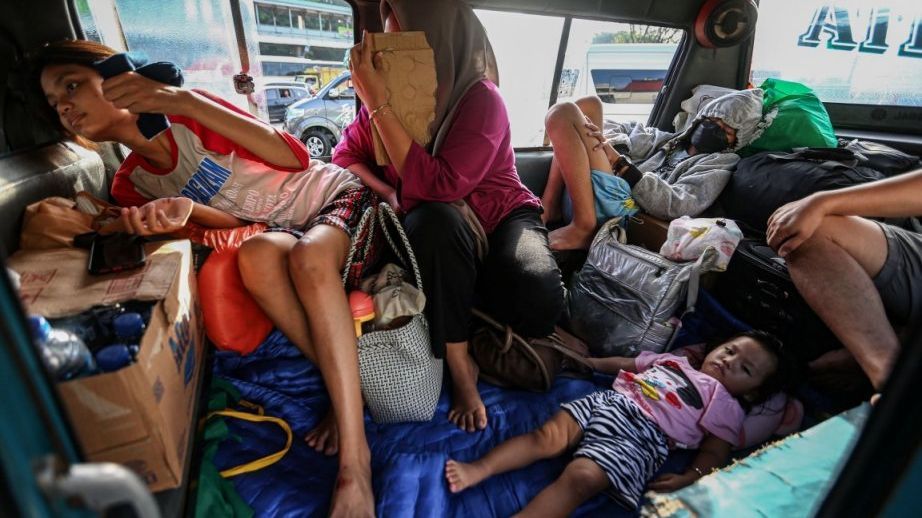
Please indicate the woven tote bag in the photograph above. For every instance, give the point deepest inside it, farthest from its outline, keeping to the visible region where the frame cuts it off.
(401, 379)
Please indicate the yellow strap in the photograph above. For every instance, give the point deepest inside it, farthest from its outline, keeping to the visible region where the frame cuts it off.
(261, 462)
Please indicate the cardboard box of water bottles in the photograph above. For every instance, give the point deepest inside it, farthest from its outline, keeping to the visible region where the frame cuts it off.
(141, 414)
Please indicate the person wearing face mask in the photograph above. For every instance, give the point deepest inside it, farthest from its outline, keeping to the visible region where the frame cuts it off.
(667, 175)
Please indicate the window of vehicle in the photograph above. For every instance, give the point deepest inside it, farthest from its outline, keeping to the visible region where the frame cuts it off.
(623, 64)
(285, 39)
(850, 52)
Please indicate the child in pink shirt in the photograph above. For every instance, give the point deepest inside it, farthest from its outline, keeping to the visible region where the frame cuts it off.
(623, 435)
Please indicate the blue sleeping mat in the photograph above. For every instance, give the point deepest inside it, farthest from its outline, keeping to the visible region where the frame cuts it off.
(407, 459)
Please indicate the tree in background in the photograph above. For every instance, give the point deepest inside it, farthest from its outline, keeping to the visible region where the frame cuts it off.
(640, 34)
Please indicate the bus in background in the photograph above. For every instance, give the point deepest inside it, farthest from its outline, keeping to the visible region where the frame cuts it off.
(626, 76)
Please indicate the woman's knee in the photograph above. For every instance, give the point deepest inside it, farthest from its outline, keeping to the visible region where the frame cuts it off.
(434, 228)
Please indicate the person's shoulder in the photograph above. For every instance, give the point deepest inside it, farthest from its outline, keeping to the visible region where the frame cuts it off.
(483, 92)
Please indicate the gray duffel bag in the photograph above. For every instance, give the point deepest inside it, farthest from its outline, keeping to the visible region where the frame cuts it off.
(627, 299)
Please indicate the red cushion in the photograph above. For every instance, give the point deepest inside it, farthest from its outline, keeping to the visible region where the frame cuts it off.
(233, 320)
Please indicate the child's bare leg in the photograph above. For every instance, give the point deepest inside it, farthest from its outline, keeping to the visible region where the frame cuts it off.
(263, 263)
(581, 480)
(556, 436)
(573, 150)
(553, 190)
(591, 106)
(315, 264)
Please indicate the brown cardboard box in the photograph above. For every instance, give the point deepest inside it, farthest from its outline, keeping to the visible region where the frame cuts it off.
(647, 231)
(408, 64)
(141, 415)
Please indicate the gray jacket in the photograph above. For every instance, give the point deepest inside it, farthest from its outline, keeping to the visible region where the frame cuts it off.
(672, 183)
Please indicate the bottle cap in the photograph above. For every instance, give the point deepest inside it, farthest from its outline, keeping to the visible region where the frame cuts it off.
(128, 325)
(39, 327)
(113, 357)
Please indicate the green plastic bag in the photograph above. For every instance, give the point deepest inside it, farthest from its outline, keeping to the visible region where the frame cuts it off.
(801, 120)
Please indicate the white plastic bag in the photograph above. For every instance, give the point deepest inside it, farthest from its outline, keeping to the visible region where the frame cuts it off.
(688, 238)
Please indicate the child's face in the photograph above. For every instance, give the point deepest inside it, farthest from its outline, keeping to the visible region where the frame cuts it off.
(75, 93)
(741, 365)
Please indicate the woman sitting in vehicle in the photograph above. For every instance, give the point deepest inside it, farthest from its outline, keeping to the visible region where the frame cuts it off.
(475, 229)
(673, 174)
(220, 167)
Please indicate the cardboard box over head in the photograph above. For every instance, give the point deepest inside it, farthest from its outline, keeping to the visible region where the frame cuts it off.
(408, 65)
(140, 415)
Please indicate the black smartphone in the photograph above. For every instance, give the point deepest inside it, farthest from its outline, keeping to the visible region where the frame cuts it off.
(116, 252)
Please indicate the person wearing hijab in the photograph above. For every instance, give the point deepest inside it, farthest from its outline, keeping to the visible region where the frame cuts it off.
(676, 174)
(474, 227)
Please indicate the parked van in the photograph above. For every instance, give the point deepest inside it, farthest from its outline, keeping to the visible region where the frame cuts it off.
(628, 77)
(318, 121)
(547, 51)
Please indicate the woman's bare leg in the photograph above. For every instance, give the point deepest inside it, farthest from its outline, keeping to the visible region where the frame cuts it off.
(315, 265)
(467, 409)
(555, 437)
(573, 150)
(581, 480)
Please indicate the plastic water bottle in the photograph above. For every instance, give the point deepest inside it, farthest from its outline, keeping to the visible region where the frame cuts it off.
(63, 352)
(129, 327)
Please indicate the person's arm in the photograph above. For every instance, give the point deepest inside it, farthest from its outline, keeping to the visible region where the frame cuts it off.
(381, 188)
(696, 189)
(712, 454)
(792, 224)
(369, 86)
(169, 215)
(139, 94)
(613, 364)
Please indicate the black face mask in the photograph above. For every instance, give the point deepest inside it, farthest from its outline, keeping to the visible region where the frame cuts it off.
(709, 137)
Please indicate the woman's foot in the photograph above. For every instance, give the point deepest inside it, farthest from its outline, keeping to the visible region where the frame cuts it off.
(461, 476)
(467, 409)
(570, 237)
(325, 437)
(352, 496)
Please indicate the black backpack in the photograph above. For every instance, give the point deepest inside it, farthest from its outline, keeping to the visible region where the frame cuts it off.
(768, 180)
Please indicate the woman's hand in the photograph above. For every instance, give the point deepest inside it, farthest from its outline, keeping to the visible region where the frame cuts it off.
(366, 75)
(391, 199)
(138, 94)
(672, 481)
(162, 216)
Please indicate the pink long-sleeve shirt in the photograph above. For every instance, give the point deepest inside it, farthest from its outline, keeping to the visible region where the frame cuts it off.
(476, 161)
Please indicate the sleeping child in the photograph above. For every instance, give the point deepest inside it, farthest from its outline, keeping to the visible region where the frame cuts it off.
(622, 435)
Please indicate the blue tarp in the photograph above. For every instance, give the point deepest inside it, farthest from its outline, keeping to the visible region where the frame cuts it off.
(407, 459)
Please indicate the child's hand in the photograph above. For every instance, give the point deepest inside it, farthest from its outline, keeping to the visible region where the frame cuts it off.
(672, 481)
(133, 92)
(594, 132)
(162, 216)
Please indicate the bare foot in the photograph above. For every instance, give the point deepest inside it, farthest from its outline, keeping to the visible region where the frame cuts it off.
(461, 476)
(570, 237)
(325, 437)
(352, 496)
(467, 409)
(837, 371)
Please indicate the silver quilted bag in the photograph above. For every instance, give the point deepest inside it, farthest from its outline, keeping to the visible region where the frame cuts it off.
(401, 379)
(627, 299)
